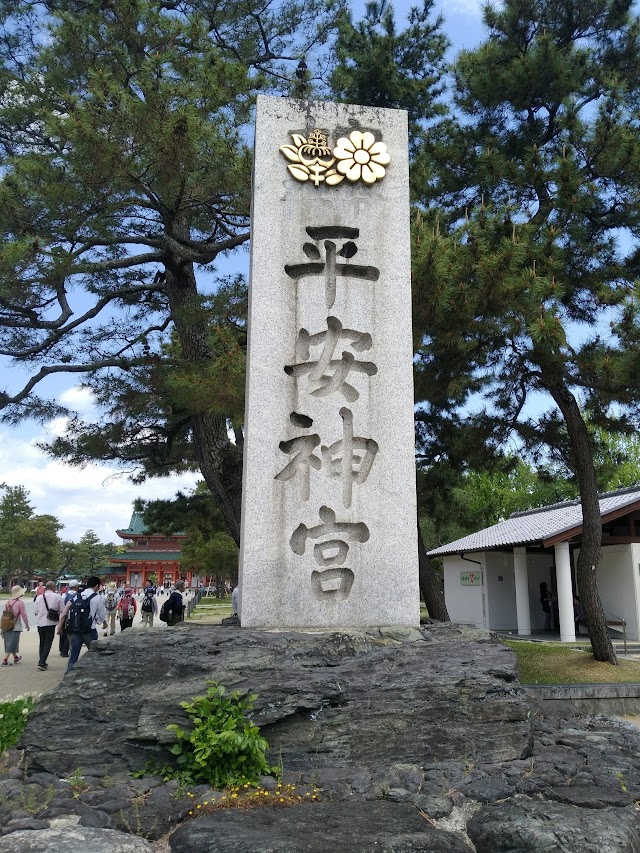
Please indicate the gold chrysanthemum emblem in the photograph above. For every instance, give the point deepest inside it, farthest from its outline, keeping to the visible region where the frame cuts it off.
(360, 157)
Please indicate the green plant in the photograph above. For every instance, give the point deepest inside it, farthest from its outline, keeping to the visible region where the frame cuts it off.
(77, 783)
(623, 786)
(35, 803)
(224, 746)
(13, 719)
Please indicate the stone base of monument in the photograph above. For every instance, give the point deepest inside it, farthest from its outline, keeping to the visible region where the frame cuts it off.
(416, 739)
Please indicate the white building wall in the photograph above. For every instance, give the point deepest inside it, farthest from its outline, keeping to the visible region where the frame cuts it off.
(464, 603)
(617, 584)
(493, 604)
(635, 574)
(501, 591)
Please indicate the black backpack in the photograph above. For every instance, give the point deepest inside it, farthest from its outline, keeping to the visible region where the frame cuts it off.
(165, 612)
(79, 619)
(147, 603)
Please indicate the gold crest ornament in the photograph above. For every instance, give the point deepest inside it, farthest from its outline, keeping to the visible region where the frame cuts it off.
(357, 157)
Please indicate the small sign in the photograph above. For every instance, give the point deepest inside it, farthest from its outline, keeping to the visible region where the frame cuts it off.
(470, 578)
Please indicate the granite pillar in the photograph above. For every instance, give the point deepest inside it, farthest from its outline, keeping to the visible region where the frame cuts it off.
(329, 505)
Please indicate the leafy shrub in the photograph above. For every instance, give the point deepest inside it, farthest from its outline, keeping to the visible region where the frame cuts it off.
(224, 746)
(13, 719)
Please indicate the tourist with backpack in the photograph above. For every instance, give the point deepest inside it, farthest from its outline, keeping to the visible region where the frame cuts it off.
(111, 605)
(70, 594)
(148, 607)
(13, 621)
(127, 609)
(83, 616)
(173, 609)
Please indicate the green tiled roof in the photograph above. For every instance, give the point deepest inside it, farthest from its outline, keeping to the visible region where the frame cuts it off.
(146, 556)
(136, 525)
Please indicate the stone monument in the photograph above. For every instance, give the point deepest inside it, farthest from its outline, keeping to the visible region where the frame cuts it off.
(329, 505)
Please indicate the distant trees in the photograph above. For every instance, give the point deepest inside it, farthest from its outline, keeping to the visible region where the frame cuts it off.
(86, 557)
(28, 542)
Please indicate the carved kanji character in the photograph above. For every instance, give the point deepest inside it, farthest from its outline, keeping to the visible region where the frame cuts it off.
(332, 552)
(334, 582)
(342, 458)
(303, 447)
(330, 267)
(320, 371)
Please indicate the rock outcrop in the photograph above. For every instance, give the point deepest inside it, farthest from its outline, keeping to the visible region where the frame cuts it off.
(357, 702)
(417, 740)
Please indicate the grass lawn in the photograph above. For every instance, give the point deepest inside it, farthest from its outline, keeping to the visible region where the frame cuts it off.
(553, 663)
(211, 609)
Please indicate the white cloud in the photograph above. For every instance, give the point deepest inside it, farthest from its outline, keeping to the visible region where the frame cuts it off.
(57, 427)
(97, 497)
(77, 398)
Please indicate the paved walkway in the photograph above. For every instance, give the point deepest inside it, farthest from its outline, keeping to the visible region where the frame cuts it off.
(25, 677)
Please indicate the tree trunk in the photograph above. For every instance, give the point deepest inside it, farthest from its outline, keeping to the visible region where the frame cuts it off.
(429, 586)
(591, 522)
(220, 461)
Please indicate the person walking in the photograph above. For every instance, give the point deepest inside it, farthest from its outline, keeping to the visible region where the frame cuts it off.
(48, 609)
(175, 605)
(111, 605)
(11, 637)
(127, 609)
(84, 614)
(63, 643)
(148, 607)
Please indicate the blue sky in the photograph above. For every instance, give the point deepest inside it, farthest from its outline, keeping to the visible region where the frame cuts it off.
(99, 497)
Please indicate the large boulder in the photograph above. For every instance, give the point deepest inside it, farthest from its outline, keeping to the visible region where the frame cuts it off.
(528, 826)
(338, 827)
(73, 838)
(412, 740)
(360, 701)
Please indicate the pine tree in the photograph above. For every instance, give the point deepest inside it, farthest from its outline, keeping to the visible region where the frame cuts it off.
(28, 542)
(518, 255)
(125, 175)
(379, 66)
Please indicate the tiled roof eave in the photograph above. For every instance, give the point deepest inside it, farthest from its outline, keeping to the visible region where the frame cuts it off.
(147, 557)
(544, 527)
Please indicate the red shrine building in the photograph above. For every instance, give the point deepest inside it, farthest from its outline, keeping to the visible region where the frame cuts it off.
(149, 554)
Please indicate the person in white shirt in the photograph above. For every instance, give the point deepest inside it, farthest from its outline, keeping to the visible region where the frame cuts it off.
(98, 616)
(48, 603)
